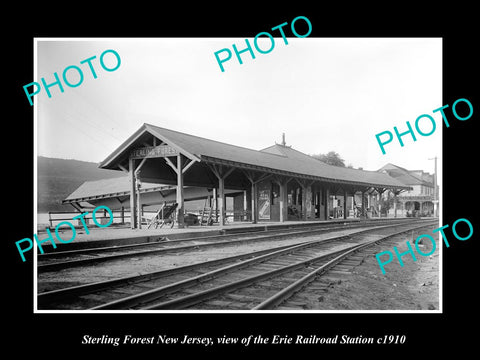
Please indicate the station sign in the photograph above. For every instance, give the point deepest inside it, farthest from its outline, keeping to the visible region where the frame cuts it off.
(153, 152)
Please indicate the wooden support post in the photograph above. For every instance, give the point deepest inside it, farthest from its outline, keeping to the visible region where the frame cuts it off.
(394, 205)
(369, 202)
(253, 195)
(254, 179)
(221, 199)
(180, 169)
(215, 203)
(180, 198)
(304, 185)
(283, 197)
(353, 202)
(380, 192)
(254, 203)
(131, 174)
(327, 204)
(363, 204)
(136, 175)
(345, 204)
(221, 173)
(377, 204)
(283, 203)
(304, 202)
(244, 205)
(139, 203)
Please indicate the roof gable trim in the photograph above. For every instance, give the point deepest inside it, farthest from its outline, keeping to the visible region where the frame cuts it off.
(134, 137)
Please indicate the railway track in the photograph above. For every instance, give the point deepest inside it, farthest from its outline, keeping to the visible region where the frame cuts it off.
(312, 282)
(58, 260)
(268, 285)
(235, 282)
(78, 297)
(304, 292)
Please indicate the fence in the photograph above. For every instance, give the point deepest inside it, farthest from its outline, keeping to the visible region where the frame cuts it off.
(122, 217)
(55, 217)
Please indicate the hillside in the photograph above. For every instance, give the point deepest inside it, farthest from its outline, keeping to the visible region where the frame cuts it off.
(57, 178)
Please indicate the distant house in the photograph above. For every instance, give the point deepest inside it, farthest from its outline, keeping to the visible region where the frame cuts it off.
(420, 201)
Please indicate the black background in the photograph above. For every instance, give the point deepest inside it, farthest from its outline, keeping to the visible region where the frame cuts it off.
(60, 335)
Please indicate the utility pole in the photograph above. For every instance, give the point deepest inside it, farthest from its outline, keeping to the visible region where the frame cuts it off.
(435, 199)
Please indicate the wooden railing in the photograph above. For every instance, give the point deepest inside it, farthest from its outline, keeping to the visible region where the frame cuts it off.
(123, 216)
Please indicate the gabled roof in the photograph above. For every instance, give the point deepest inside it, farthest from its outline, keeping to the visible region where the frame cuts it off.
(405, 176)
(120, 187)
(278, 159)
(275, 149)
(106, 188)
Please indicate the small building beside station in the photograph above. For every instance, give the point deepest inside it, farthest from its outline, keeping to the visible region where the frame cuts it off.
(422, 198)
(278, 183)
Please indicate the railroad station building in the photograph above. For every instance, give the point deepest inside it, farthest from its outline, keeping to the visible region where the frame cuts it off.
(276, 184)
(422, 198)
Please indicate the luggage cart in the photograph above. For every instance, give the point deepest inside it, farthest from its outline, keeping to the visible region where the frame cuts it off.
(164, 215)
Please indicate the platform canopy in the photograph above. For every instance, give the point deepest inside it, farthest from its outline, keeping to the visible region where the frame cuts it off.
(158, 155)
(280, 160)
(115, 193)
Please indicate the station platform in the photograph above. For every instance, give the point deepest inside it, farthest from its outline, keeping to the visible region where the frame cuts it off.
(117, 235)
(190, 231)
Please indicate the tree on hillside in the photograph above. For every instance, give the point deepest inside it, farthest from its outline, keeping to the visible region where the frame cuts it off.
(331, 158)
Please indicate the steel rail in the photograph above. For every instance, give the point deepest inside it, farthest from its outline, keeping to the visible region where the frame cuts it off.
(287, 292)
(47, 297)
(153, 294)
(81, 262)
(195, 298)
(54, 266)
(163, 240)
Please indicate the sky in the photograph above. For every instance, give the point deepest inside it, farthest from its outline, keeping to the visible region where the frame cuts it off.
(325, 94)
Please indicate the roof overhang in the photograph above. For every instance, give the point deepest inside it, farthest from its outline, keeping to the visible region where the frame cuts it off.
(244, 166)
(117, 194)
(144, 135)
(122, 153)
